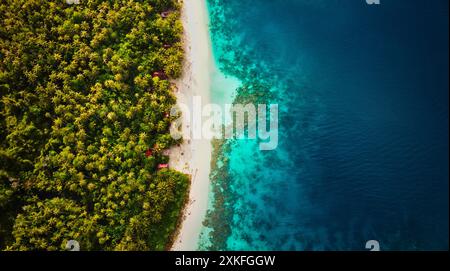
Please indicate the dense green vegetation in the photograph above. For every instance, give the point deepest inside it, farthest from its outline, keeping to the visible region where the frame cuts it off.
(81, 110)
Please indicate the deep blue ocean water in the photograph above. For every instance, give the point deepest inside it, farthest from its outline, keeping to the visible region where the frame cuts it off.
(363, 149)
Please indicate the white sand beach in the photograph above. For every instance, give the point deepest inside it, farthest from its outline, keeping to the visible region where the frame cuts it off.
(194, 156)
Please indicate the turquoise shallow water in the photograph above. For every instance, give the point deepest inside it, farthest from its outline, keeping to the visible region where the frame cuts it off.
(363, 151)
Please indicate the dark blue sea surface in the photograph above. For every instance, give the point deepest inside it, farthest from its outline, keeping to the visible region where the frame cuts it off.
(363, 138)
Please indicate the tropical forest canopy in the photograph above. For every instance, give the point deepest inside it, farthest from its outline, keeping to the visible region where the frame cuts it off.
(84, 125)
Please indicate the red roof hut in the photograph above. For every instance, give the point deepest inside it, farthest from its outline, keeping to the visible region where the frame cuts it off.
(165, 14)
(161, 166)
(159, 74)
(148, 153)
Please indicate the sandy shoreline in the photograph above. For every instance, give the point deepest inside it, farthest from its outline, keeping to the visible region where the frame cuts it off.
(193, 156)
